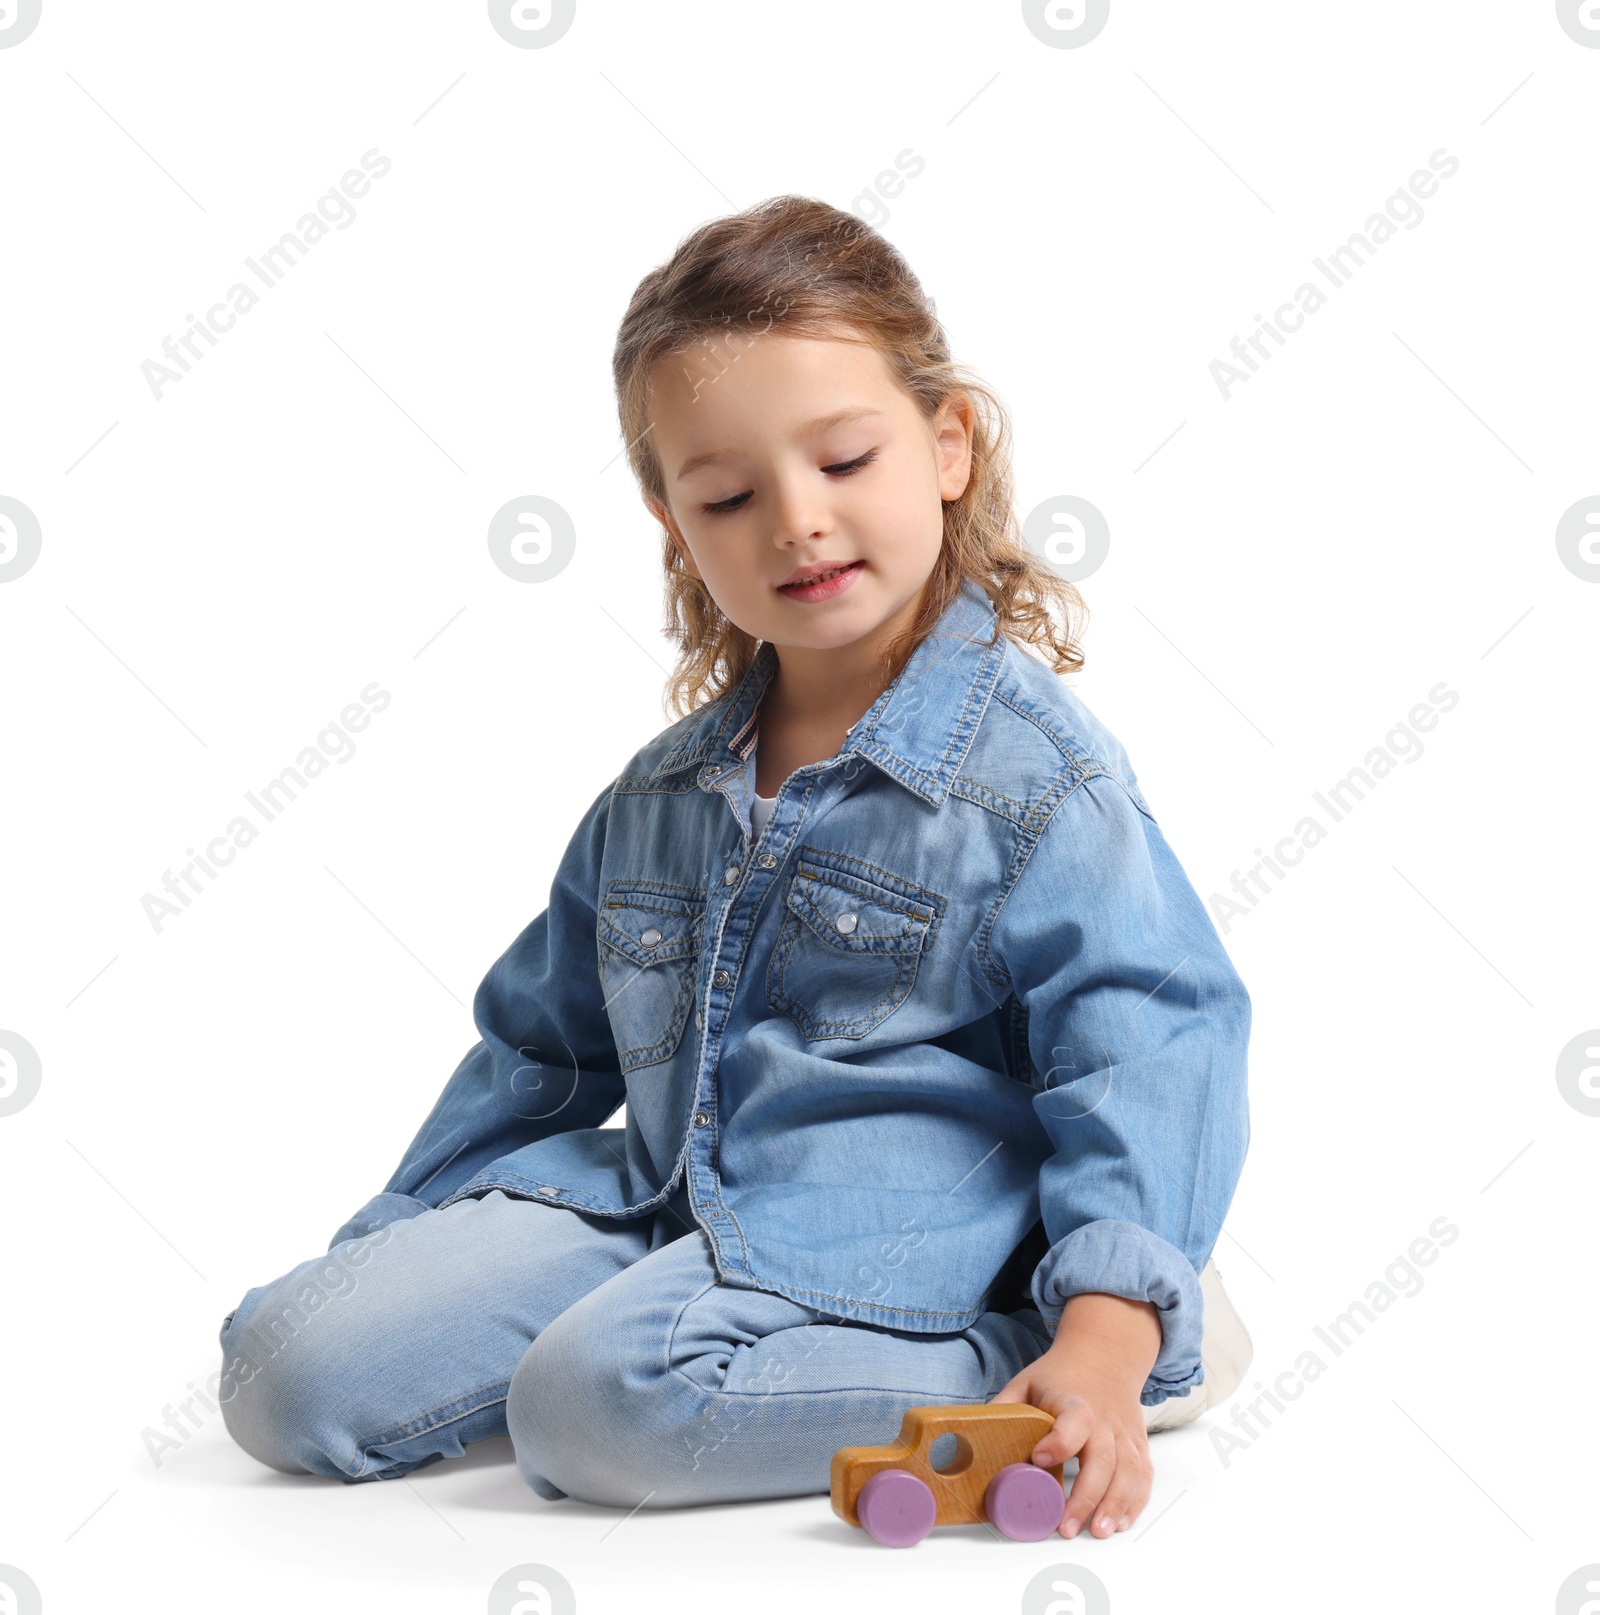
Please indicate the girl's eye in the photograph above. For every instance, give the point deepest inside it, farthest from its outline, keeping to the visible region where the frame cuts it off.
(846, 468)
(850, 467)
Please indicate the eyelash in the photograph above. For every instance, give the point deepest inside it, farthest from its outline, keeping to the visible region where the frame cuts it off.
(845, 468)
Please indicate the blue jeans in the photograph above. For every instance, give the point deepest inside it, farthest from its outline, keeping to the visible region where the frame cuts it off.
(623, 1371)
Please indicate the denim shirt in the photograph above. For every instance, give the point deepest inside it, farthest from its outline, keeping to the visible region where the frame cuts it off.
(954, 1032)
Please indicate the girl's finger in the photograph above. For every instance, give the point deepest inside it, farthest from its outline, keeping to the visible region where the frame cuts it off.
(1097, 1462)
(1128, 1492)
(1067, 1436)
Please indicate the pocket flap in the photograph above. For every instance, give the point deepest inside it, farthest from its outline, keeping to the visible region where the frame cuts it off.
(650, 923)
(858, 914)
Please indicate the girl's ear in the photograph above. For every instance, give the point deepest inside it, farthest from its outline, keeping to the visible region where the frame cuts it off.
(952, 433)
(661, 514)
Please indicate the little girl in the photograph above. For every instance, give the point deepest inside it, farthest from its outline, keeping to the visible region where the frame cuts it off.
(933, 1060)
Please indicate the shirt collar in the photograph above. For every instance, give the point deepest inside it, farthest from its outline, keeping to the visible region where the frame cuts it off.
(919, 729)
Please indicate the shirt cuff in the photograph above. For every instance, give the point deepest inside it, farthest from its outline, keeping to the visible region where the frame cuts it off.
(1121, 1258)
(379, 1210)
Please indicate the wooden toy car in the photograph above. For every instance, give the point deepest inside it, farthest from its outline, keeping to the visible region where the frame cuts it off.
(897, 1496)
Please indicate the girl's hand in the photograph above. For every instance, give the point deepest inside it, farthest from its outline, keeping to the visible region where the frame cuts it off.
(1090, 1380)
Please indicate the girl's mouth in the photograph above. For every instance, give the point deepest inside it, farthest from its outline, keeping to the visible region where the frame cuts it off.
(823, 588)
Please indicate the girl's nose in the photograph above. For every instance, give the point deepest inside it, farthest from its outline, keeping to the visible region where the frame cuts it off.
(800, 511)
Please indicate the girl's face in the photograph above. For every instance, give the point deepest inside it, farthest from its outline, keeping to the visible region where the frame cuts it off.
(789, 454)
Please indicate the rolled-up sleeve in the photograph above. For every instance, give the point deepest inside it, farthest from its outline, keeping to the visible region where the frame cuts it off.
(546, 1060)
(1137, 1028)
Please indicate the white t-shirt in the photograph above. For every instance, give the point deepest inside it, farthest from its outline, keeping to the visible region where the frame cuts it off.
(760, 812)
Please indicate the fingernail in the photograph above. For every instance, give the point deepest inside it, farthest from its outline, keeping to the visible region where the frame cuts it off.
(1071, 1527)
(1104, 1524)
(1124, 1523)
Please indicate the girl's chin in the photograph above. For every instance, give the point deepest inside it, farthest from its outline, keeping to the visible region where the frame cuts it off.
(837, 634)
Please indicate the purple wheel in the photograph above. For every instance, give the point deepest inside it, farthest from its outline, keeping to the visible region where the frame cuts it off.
(1025, 1502)
(896, 1508)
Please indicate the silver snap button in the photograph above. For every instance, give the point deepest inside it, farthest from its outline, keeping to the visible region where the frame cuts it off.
(766, 860)
(845, 923)
(698, 1020)
(731, 873)
(701, 1119)
(650, 937)
(548, 1188)
(721, 979)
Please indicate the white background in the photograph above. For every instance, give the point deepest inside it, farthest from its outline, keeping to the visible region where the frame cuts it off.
(223, 570)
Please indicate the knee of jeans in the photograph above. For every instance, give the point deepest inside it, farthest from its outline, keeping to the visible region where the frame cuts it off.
(605, 1422)
(286, 1392)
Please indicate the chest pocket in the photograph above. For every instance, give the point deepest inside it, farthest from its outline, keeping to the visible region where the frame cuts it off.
(849, 946)
(649, 936)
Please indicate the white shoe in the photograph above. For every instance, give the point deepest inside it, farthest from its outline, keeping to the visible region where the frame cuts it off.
(1225, 1350)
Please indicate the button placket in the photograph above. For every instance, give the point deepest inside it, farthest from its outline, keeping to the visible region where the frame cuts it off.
(742, 904)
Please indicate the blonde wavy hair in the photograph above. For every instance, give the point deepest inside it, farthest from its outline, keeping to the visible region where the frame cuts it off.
(805, 268)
